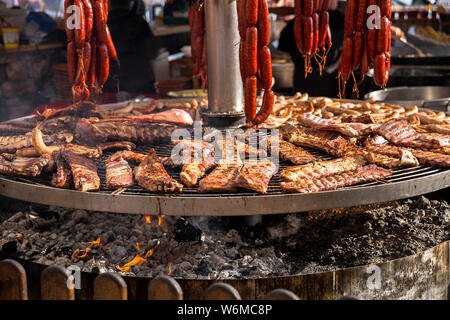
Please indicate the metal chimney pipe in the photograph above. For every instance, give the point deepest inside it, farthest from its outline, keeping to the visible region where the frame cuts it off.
(225, 90)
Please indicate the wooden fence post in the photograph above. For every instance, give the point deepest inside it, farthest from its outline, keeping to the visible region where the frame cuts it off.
(56, 284)
(222, 291)
(110, 286)
(164, 288)
(13, 281)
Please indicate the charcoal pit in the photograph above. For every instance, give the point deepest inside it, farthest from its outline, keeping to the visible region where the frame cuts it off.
(196, 250)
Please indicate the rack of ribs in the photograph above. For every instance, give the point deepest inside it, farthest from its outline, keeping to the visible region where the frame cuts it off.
(290, 152)
(62, 178)
(221, 179)
(323, 168)
(152, 176)
(255, 176)
(350, 129)
(118, 174)
(20, 166)
(94, 131)
(331, 182)
(401, 133)
(11, 144)
(423, 156)
(84, 171)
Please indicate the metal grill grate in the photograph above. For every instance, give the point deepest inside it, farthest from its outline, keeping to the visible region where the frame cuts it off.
(400, 174)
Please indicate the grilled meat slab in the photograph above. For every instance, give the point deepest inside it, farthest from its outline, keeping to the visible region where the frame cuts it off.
(94, 131)
(350, 129)
(10, 144)
(221, 179)
(21, 166)
(152, 176)
(191, 172)
(400, 133)
(323, 168)
(84, 171)
(62, 178)
(127, 155)
(362, 174)
(290, 152)
(118, 174)
(255, 176)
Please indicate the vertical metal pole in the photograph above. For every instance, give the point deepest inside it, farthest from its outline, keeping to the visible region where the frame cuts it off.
(225, 92)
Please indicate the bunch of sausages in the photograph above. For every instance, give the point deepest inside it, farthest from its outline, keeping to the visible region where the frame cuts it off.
(367, 45)
(255, 58)
(196, 16)
(311, 29)
(89, 46)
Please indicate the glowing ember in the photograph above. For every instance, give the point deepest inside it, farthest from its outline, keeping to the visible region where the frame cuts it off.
(137, 246)
(79, 254)
(149, 253)
(137, 261)
(170, 270)
(148, 219)
(19, 235)
(160, 220)
(96, 243)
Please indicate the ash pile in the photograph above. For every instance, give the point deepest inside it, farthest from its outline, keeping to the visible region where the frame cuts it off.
(223, 248)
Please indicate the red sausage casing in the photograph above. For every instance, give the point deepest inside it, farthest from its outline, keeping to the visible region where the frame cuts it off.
(298, 33)
(251, 12)
(71, 61)
(308, 35)
(379, 69)
(102, 64)
(298, 8)
(263, 23)
(383, 35)
(308, 8)
(323, 28)
(266, 68)
(345, 65)
(350, 17)
(358, 49)
(251, 51)
(361, 15)
(316, 30)
(80, 33)
(251, 84)
(266, 108)
(89, 18)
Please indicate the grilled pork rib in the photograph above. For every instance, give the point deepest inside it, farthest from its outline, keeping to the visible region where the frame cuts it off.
(62, 178)
(362, 174)
(289, 152)
(94, 131)
(20, 166)
(350, 129)
(84, 171)
(10, 144)
(255, 176)
(400, 133)
(221, 179)
(152, 176)
(323, 168)
(118, 174)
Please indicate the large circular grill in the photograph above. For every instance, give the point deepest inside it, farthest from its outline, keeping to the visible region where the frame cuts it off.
(404, 183)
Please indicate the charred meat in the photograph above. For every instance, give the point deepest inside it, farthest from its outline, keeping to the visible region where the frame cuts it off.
(118, 174)
(255, 176)
(331, 182)
(62, 178)
(84, 171)
(152, 176)
(221, 179)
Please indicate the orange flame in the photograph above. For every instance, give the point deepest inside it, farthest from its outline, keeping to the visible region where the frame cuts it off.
(170, 270)
(137, 246)
(19, 235)
(149, 253)
(78, 254)
(148, 219)
(160, 220)
(96, 243)
(137, 261)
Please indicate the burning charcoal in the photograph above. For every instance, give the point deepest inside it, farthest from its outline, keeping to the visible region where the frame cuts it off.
(80, 216)
(185, 231)
(203, 268)
(10, 247)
